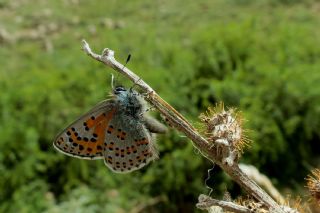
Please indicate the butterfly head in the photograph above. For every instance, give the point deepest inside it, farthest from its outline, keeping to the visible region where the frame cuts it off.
(118, 90)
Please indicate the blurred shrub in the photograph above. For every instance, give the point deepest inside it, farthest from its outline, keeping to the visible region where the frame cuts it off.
(265, 65)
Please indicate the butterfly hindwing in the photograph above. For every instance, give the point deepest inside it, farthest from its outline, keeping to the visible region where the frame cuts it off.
(85, 137)
(129, 144)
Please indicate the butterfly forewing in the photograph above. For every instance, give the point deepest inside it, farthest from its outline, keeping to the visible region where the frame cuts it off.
(128, 144)
(85, 137)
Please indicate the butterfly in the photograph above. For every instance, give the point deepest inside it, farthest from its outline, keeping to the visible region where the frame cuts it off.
(116, 130)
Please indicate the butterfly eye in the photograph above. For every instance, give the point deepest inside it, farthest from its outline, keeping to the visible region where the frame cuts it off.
(119, 89)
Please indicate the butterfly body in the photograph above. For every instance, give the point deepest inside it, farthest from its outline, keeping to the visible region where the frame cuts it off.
(116, 130)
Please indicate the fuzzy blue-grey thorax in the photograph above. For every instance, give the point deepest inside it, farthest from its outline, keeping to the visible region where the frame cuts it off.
(130, 102)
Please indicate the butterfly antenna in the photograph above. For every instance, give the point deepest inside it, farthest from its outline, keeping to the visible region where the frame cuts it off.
(128, 59)
(112, 81)
(112, 76)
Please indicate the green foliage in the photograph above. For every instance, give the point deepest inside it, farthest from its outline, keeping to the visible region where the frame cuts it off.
(261, 57)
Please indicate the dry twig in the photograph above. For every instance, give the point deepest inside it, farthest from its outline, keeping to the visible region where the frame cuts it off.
(262, 180)
(206, 202)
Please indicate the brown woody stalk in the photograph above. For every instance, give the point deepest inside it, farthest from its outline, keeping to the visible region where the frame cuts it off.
(182, 125)
(206, 202)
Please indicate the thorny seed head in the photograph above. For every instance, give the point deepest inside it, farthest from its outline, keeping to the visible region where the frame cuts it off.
(313, 184)
(223, 128)
(289, 206)
(253, 206)
(295, 205)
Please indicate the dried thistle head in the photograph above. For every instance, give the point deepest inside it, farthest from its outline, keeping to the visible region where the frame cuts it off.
(251, 204)
(289, 205)
(224, 128)
(295, 205)
(313, 184)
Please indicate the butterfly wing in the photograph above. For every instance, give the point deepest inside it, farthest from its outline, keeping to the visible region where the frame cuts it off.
(129, 144)
(85, 137)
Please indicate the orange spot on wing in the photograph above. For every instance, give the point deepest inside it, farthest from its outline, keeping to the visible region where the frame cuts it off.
(93, 121)
(142, 142)
(99, 124)
(134, 149)
(129, 150)
(109, 130)
(110, 146)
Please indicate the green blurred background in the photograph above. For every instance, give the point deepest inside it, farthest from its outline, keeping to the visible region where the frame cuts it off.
(259, 56)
